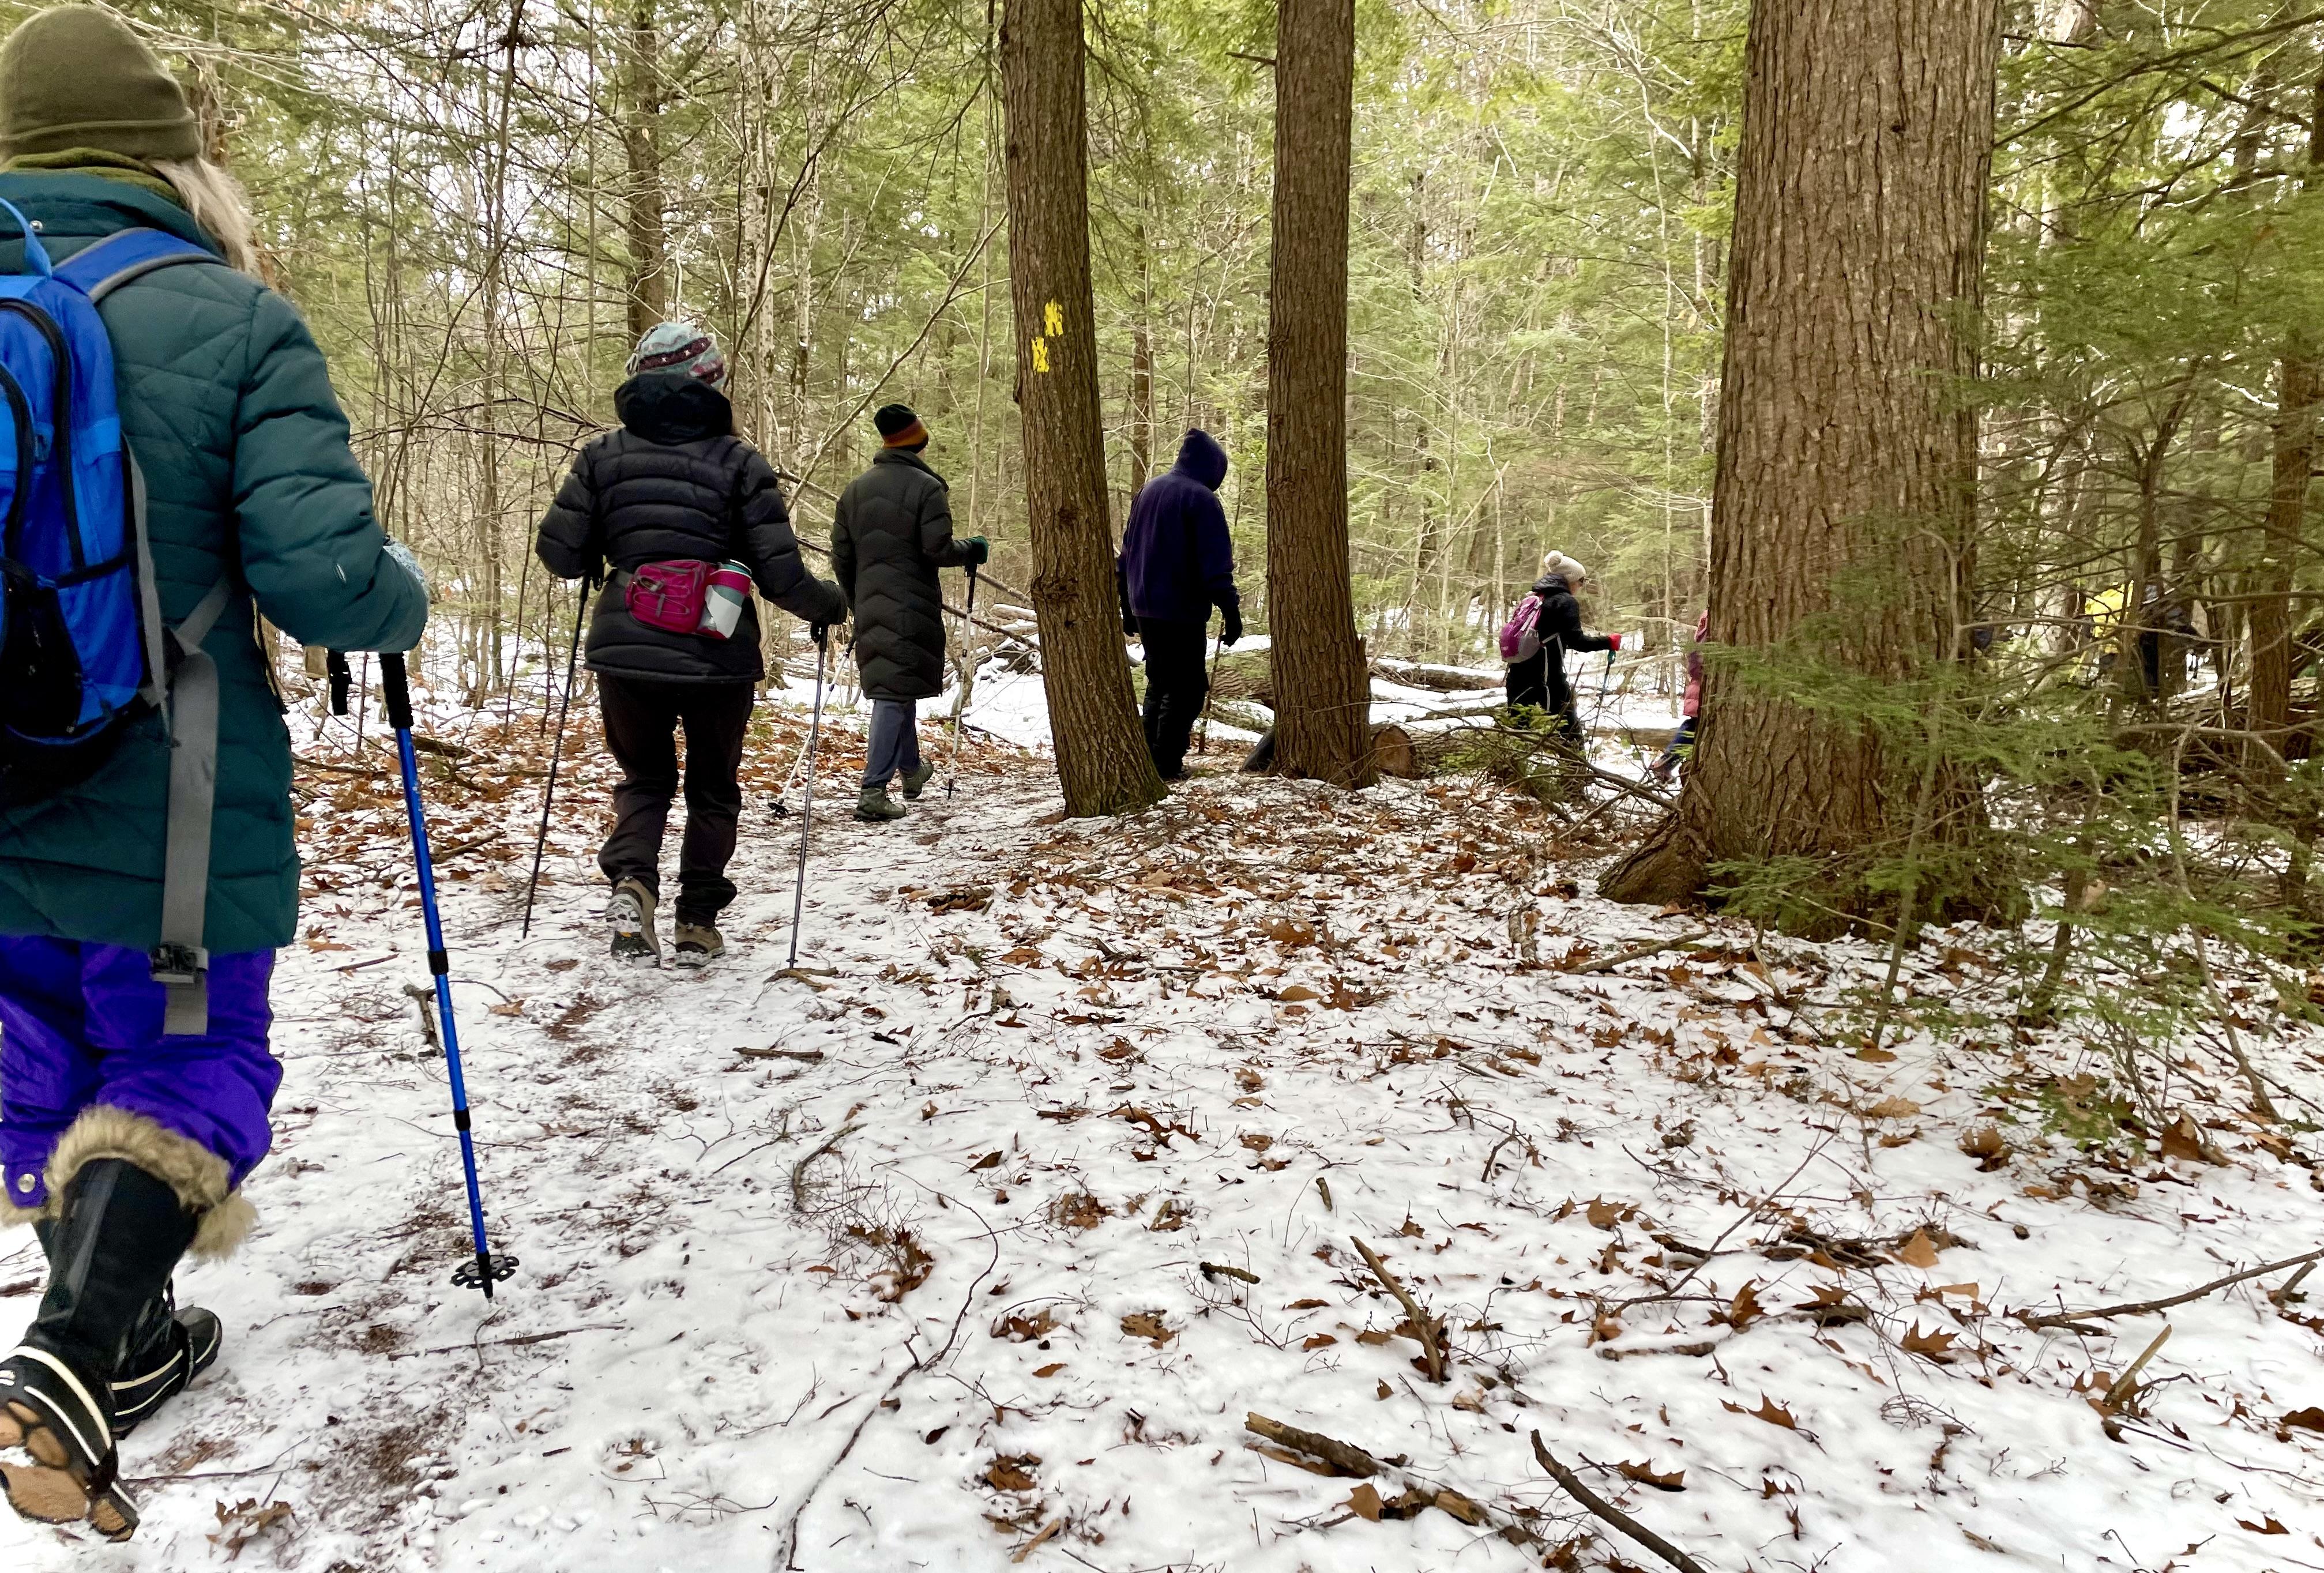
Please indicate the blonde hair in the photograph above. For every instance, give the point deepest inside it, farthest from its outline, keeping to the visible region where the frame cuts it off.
(218, 204)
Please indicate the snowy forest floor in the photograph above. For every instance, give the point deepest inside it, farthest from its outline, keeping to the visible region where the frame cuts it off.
(973, 1243)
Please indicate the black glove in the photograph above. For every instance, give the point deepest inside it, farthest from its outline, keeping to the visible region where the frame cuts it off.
(1230, 623)
(820, 632)
(980, 550)
(1129, 618)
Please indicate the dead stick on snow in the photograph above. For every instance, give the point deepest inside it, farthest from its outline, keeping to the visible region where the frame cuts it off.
(2066, 1318)
(1431, 1336)
(1029, 1547)
(1639, 952)
(2126, 1383)
(1347, 1458)
(1612, 1515)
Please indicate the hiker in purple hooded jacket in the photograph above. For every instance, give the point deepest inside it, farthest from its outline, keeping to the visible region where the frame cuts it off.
(1177, 563)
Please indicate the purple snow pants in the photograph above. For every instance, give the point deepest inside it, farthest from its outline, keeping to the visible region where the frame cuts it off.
(82, 1024)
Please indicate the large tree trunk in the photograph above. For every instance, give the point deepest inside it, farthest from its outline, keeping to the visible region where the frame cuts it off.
(647, 192)
(1323, 718)
(2296, 393)
(1101, 759)
(2299, 384)
(1842, 500)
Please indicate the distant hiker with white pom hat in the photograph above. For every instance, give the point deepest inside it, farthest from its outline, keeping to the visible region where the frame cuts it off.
(1545, 625)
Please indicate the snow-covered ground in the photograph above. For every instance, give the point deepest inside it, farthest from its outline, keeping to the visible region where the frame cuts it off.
(973, 1241)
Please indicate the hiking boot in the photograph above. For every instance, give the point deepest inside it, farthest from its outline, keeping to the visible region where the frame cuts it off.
(175, 1347)
(169, 1348)
(53, 1410)
(631, 915)
(915, 779)
(876, 806)
(698, 944)
(117, 1237)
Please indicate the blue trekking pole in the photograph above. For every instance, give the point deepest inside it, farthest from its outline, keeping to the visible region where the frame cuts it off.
(485, 1271)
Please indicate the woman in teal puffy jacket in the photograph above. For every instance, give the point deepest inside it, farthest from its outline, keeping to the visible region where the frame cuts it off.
(124, 1146)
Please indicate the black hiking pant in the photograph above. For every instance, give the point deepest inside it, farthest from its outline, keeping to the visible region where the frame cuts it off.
(1539, 683)
(642, 720)
(1176, 684)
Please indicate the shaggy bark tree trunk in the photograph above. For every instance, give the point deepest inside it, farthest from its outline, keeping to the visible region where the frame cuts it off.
(648, 194)
(1322, 717)
(1842, 500)
(2300, 384)
(1103, 764)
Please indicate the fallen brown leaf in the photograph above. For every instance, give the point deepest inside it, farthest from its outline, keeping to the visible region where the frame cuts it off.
(1645, 1475)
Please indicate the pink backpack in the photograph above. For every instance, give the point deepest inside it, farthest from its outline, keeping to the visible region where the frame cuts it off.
(1521, 635)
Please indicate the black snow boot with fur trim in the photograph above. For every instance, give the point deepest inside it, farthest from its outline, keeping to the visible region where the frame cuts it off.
(169, 1350)
(116, 1237)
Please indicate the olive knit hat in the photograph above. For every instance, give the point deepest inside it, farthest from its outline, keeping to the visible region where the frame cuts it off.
(76, 77)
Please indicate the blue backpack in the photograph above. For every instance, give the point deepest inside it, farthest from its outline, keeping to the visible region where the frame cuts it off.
(82, 647)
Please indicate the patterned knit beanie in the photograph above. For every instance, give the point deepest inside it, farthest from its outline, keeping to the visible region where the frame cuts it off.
(681, 346)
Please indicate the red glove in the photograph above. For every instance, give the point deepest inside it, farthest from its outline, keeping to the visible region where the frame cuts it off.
(1614, 642)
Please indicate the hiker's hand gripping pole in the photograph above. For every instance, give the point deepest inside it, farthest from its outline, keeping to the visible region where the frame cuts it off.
(485, 1271)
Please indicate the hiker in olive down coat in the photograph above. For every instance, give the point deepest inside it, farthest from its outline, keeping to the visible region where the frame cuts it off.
(890, 533)
(126, 1146)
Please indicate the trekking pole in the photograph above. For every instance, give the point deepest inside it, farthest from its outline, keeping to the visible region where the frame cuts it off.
(960, 710)
(1210, 683)
(556, 752)
(807, 810)
(485, 1271)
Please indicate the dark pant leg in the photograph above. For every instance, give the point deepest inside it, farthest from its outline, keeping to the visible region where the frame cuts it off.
(640, 722)
(1682, 744)
(717, 717)
(1174, 671)
(1526, 681)
(894, 744)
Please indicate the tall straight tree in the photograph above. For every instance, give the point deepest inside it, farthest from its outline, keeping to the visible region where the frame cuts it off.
(1101, 759)
(1841, 504)
(1322, 686)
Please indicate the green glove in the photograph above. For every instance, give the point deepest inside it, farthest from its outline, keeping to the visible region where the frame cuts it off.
(980, 550)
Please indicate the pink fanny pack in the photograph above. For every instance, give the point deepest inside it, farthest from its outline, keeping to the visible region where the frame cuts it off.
(687, 595)
(668, 595)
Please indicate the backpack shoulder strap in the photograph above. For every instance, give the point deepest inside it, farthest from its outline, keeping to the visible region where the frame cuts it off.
(97, 271)
(180, 964)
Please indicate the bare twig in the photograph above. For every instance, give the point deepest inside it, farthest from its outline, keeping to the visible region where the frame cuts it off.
(1612, 1515)
(2126, 1383)
(1345, 1458)
(1638, 952)
(1431, 1330)
(520, 1341)
(1029, 1547)
(2066, 1318)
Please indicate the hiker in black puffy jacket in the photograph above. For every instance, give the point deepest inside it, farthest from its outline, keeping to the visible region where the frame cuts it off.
(1539, 679)
(891, 531)
(675, 483)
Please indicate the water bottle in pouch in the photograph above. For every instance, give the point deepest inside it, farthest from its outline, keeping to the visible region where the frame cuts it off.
(723, 598)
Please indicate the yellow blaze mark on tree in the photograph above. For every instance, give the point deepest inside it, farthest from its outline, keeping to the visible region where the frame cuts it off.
(1040, 354)
(1052, 319)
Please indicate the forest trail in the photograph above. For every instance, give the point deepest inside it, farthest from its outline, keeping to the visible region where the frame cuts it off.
(988, 1232)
